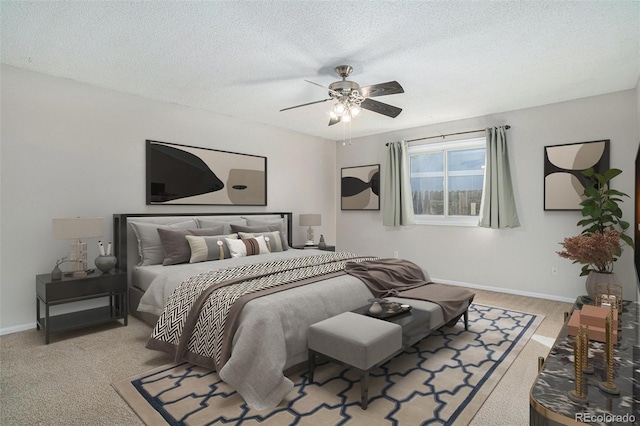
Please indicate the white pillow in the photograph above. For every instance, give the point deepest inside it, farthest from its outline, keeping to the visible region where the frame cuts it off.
(247, 247)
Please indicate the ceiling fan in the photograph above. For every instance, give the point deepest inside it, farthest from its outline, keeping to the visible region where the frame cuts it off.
(350, 98)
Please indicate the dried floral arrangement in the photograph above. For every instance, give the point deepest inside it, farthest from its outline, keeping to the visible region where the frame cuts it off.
(596, 251)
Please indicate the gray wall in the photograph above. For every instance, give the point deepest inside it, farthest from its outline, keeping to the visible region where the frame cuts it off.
(69, 149)
(518, 260)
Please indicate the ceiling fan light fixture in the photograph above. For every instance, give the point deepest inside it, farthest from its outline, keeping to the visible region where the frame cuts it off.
(355, 110)
(339, 109)
(346, 118)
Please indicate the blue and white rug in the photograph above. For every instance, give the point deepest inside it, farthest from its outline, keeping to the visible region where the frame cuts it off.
(442, 380)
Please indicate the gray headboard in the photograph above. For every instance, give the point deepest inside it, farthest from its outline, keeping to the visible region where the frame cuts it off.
(122, 233)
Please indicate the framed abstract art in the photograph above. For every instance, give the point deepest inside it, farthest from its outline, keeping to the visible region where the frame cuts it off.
(360, 188)
(563, 166)
(187, 175)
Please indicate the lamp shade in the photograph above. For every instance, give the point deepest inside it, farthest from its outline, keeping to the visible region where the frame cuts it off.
(310, 219)
(69, 228)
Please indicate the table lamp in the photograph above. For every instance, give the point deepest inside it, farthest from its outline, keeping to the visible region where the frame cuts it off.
(75, 228)
(310, 220)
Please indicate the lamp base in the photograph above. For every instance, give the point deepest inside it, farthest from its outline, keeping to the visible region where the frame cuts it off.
(79, 274)
(309, 243)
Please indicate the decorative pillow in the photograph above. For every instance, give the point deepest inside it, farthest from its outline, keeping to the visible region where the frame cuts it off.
(262, 228)
(204, 222)
(175, 245)
(149, 244)
(280, 224)
(205, 248)
(247, 247)
(272, 239)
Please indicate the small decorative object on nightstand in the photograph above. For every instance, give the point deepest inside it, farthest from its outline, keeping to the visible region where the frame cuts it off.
(322, 245)
(56, 273)
(106, 261)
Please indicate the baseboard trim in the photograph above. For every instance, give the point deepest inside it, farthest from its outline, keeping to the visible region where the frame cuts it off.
(506, 290)
(17, 328)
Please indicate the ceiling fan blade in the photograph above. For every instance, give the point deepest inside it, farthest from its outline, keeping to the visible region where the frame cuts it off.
(333, 92)
(381, 108)
(388, 88)
(308, 103)
(333, 121)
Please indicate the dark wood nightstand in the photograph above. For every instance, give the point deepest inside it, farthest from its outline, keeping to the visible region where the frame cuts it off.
(327, 248)
(112, 284)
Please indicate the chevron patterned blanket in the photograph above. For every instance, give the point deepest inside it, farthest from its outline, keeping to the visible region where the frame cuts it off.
(201, 316)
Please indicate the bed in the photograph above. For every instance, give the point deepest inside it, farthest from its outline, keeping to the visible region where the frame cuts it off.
(296, 289)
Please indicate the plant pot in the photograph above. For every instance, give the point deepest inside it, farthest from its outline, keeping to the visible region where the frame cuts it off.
(599, 277)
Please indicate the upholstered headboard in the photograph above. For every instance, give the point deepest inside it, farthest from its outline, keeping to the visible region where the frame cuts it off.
(126, 243)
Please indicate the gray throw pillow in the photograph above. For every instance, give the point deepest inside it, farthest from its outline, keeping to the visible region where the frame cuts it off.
(204, 222)
(149, 244)
(272, 225)
(205, 248)
(175, 245)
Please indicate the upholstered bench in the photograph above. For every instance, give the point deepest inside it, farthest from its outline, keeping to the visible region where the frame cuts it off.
(359, 341)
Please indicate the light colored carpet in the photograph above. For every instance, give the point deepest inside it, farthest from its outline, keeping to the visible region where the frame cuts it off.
(443, 379)
(68, 382)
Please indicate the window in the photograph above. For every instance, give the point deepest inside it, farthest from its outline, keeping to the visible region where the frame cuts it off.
(447, 180)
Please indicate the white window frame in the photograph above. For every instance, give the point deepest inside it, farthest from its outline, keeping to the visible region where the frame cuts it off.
(448, 220)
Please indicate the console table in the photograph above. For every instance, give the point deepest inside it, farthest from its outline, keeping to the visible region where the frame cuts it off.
(549, 401)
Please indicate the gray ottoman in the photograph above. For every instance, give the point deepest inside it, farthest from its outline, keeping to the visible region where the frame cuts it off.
(359, 341)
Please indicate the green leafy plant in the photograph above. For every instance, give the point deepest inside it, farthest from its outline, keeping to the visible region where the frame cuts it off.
(600, 208)
(598, 246)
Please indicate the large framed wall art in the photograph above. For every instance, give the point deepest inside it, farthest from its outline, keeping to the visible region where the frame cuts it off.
(564, 182)
(360, 188)
(188, 175)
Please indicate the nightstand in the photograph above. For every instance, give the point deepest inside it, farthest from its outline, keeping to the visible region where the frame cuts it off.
(112, 284)
(327, 248)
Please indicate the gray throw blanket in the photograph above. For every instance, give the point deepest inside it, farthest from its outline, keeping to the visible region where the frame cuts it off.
(403, 278)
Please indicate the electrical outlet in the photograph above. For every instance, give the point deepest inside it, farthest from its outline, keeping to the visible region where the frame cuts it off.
(554, 271)
(395, 254)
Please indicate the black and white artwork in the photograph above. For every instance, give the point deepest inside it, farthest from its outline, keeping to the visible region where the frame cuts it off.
(360, 188)
(564, 182)
(181, 174)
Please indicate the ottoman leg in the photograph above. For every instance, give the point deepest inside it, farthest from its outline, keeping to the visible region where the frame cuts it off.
(364, 390)
(466, 319)
(311, 365)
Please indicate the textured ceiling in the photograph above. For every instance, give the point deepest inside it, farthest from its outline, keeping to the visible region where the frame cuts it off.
(250, 59)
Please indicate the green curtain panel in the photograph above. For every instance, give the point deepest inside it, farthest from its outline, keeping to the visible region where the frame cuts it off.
(396, 198)
(498, 205)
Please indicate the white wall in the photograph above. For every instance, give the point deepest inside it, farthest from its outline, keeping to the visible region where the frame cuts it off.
(70, 149)
(517, 260)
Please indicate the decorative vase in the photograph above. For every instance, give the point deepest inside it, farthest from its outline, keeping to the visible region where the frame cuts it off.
(56, 274)
(322, 244)
(599, 277)
(105, 263)
(375, 308)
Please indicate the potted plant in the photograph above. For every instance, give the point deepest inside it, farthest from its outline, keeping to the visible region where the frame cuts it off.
(598, 245)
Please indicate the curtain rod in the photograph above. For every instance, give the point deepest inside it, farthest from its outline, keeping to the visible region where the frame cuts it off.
(449, 134)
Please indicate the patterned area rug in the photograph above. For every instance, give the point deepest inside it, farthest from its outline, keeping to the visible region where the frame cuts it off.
(442, 380)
